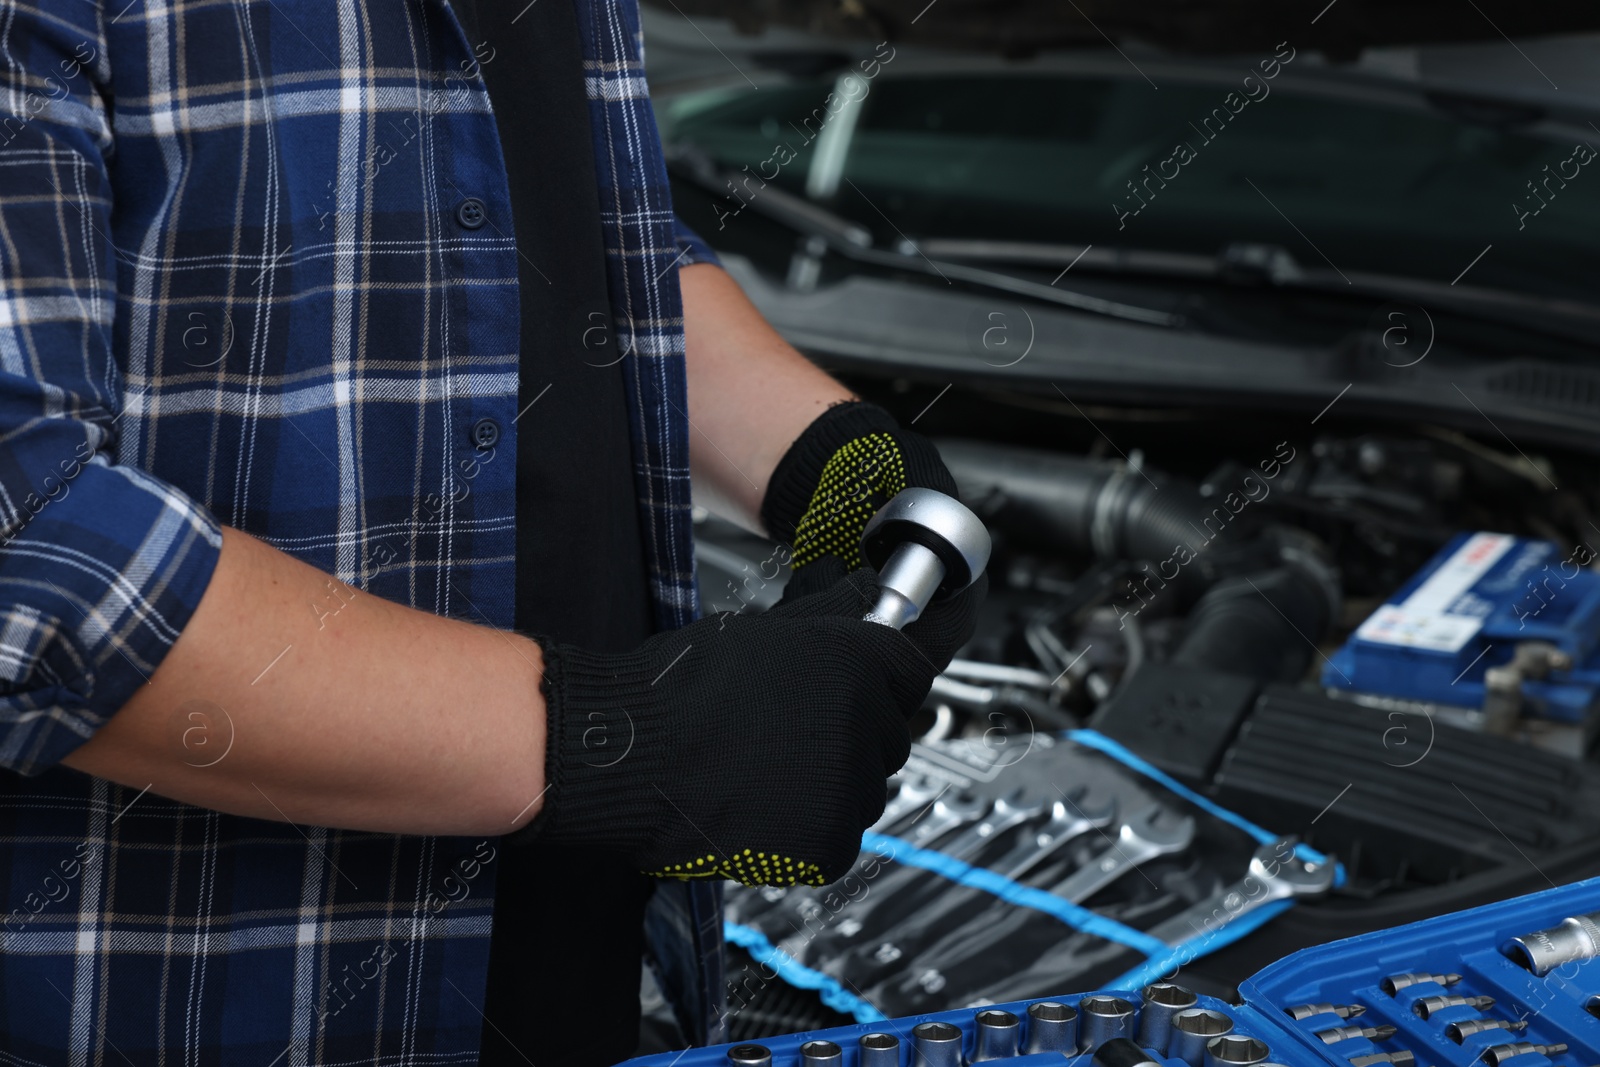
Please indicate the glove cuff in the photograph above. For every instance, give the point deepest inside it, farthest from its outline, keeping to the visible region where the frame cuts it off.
(603, 750)
(794, 481)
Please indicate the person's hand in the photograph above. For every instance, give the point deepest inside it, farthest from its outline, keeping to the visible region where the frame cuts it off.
(751, 747)
(853, 459)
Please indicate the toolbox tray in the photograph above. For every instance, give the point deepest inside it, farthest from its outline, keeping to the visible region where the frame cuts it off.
(1556, 1006)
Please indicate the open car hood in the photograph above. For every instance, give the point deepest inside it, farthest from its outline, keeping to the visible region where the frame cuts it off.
(1341, 29)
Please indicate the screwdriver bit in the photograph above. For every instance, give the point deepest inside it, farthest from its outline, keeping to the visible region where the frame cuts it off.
(1396, 982)
(1428, 1005)
(1394, 1059)
(1345, 1033)
(1495, 1055)
(1465, 1028)
(1343, 1011)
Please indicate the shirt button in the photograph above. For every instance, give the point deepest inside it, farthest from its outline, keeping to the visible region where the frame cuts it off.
(485, 432)
(471, 214)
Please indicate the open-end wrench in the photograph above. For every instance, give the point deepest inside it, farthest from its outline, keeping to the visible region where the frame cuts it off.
(899, 893)
(1068, 819)
(914, 795)
(1275, 874)
(1007, 813)
(946, 814)
(1141, 839)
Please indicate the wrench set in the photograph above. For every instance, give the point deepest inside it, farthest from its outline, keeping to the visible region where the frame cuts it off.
(996, 876)
(1510, 984)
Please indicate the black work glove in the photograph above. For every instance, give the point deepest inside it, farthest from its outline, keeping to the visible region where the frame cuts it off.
(751, 747)
(847, 464)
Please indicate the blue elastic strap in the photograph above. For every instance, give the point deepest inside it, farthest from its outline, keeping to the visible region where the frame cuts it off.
(797, 974)
(1172, 957)
(1079, 918)
(1101, 743)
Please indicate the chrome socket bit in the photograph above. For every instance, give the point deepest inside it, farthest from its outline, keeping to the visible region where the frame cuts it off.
(998, 1034)
(1335, 1034)
(936, 1045)
(1343, 1011)
(1396, 982)
(1191, 1030)
(821, 1054)
(750, 1056)
(1102, 1017)
(880, 1050)
(1495, 1055)
(1428, 1005)
(1121, 1052)
(1236, 1050)
(1401, 1058)
(1162, 1001)
(1460, 1031)
(1052, 1027)
(1575, 938)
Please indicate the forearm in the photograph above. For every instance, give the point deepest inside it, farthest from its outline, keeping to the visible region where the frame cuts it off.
(374, 717)
(750, 394)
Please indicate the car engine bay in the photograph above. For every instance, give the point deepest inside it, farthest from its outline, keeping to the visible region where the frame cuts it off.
(1196, 588)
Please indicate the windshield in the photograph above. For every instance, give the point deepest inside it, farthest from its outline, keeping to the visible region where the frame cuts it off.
(1072, 159)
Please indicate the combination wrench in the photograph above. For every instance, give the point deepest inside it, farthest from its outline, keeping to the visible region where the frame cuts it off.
(1141, 839)
(1275, 874)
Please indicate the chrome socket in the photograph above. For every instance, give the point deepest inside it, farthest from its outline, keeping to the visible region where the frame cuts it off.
(1162, 1001)
(998, 1035)
(880, 1050)
(1191, 1030)
(1236, 1050)
(936, 1045)
(1102, 1017)
(1052, 1027)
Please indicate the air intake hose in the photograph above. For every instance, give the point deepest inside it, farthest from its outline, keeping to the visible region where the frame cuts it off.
(1261, 625)
(1050, 501)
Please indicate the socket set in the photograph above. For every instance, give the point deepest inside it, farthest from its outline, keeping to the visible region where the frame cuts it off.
(1518, 980)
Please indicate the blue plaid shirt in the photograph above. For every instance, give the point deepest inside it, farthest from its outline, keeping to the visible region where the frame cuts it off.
(237, 287)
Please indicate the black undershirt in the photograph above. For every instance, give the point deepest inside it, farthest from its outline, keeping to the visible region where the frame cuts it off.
(563, 987)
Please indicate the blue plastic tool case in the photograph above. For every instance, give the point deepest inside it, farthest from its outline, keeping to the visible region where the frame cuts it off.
(1555, 1007)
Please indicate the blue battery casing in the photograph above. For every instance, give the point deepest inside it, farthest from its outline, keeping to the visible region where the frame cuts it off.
(1466, 611)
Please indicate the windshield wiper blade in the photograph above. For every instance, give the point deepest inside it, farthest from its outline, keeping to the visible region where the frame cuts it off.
(1271, 267)
(849, 240)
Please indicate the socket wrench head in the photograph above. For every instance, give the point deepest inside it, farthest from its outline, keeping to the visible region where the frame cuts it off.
(1235, 1050)
(936, 1045)
(1162, 1001)
(1191, 1030)
(1102, 1017)
(937, 522)
(821, 1054)
(750, 1056)
(1052, 1027)
(998, 1033)
(1575, 938)
(880, 1050)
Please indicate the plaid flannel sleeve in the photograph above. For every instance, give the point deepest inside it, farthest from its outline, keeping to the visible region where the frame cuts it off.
(693, 248)
(101, 565)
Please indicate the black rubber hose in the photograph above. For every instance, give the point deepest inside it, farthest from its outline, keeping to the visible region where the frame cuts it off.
(1260, 625)
(1047, 500)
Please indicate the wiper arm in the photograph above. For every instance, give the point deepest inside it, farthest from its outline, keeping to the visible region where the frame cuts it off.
(1272, 267)
(849, 240)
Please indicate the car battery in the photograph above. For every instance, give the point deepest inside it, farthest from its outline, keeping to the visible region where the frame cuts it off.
(1513, 980)
(1506, 626)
